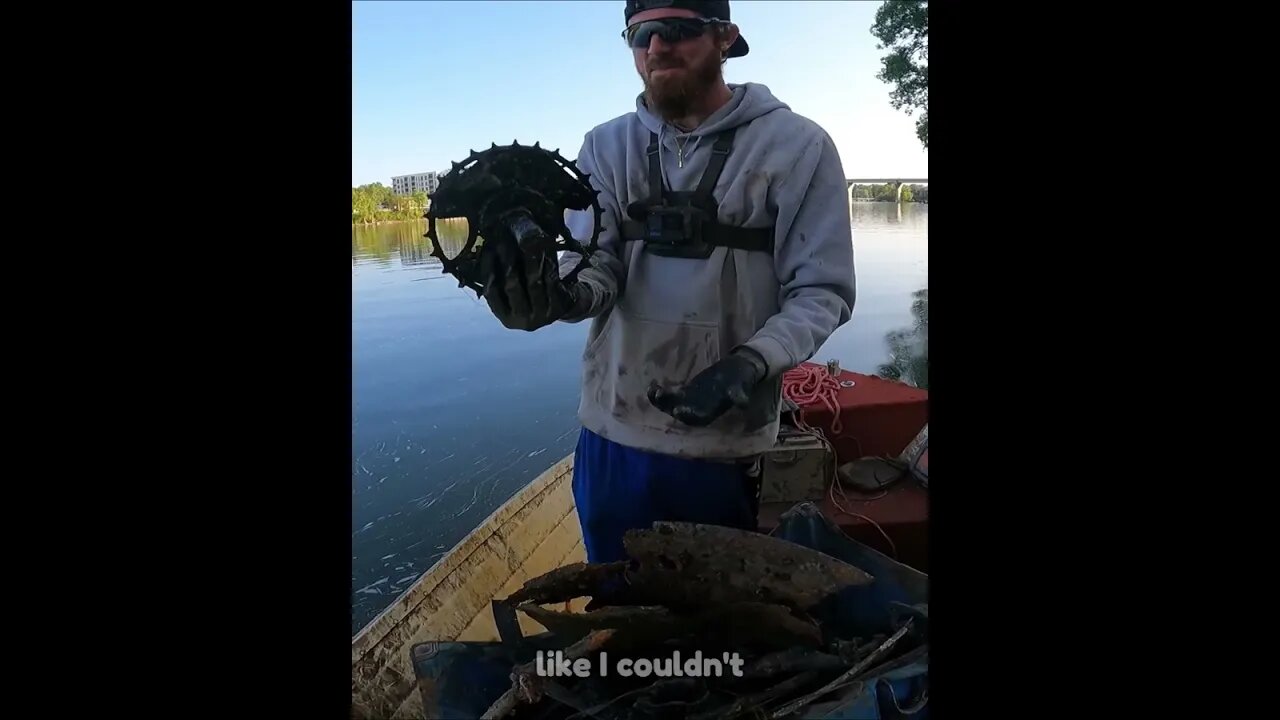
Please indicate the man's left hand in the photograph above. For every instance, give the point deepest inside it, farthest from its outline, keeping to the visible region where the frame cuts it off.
(712, 392)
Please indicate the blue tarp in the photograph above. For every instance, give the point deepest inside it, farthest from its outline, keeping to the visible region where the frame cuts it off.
(462, 679)
(901, 689)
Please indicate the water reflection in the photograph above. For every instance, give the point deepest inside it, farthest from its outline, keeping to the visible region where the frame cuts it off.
(414, 253)
(881, 213)
(909, 348)
(407, 241)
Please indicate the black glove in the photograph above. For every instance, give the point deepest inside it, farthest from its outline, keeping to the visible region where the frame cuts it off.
(713, 391)
(524, 291)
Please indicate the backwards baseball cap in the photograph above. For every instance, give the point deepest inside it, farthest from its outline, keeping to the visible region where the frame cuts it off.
(718, 9)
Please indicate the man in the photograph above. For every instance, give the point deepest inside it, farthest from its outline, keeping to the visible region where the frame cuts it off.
(726, 259)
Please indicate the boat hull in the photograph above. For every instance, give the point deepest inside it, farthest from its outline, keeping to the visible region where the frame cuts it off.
(537, 530)
(532, 533)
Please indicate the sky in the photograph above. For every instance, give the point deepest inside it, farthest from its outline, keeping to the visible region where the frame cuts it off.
(433, 80)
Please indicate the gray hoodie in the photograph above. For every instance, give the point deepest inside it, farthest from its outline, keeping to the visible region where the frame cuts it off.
(667, 319)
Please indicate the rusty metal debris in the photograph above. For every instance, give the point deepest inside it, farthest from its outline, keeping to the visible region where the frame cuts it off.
(707, 564)
(528, 686)
(755, 626)
(845, 678)
(723, 621)
(794, 660)
(569, 582)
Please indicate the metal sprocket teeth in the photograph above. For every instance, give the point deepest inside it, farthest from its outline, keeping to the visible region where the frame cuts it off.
(469, 207)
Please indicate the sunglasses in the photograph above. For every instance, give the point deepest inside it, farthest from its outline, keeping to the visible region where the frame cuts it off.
(671, 30)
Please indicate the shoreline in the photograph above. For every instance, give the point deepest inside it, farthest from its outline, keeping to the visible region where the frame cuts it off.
(386, 222)
(423, 220)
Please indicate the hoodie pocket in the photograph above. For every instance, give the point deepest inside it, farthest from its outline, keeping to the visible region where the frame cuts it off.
(601, 334)
(632, 352)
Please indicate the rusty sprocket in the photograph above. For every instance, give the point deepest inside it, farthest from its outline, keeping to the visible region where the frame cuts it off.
(512, 194)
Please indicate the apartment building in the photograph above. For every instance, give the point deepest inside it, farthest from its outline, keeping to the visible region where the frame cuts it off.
(409, 184)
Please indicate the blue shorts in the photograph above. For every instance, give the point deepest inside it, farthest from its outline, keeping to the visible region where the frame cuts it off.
(617, 488)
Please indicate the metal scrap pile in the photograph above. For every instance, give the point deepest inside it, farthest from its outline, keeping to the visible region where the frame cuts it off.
(706, 622)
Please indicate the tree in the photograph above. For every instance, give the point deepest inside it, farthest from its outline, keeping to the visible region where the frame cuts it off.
(902, 27)
(398, 203)
(381, 194)
(909, 348)
(363, 205)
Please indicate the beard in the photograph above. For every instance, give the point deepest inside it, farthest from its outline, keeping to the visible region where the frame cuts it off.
(675, 97)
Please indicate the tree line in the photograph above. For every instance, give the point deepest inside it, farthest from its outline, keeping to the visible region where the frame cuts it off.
(889, 193)
(376, 202)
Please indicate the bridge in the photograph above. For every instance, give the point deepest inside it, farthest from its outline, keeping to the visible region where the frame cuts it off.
(899, 182)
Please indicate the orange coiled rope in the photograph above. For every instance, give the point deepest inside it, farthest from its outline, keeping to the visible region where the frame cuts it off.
(808, 385)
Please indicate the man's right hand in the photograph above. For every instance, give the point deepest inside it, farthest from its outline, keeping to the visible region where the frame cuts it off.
(524, 292)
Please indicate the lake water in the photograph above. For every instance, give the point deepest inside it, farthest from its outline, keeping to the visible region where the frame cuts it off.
(453, 413)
